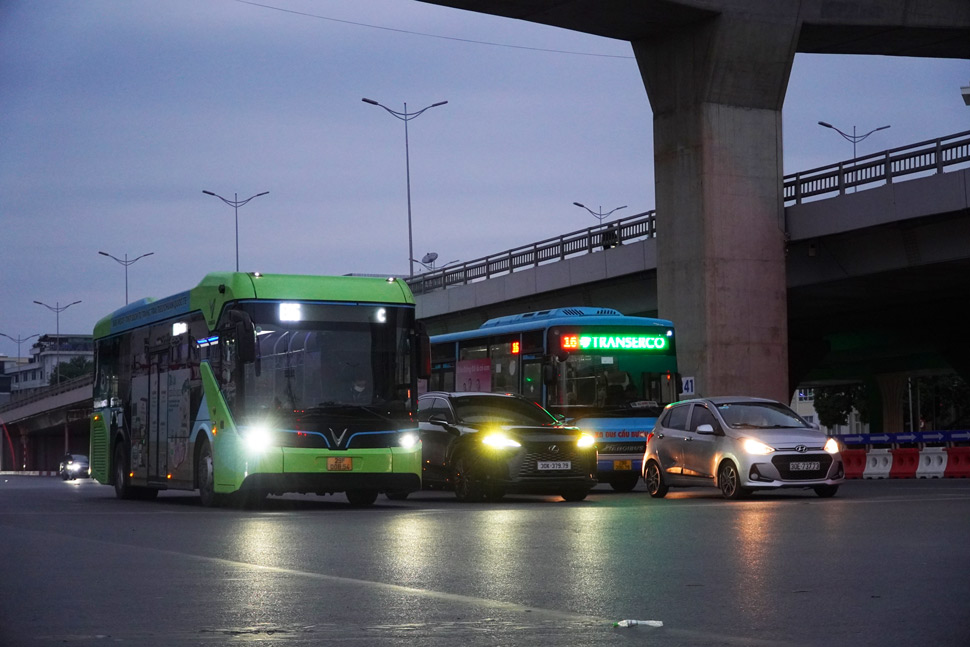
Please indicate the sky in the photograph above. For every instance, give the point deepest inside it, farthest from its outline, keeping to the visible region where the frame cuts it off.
(115, 115)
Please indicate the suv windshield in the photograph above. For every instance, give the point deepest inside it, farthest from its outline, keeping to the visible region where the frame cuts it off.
(762, 415)
(501, 410)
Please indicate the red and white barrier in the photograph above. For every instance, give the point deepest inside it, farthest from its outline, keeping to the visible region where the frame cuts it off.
(878, 464)
(932, 463)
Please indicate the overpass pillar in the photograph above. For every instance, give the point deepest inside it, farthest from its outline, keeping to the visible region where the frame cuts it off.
(717, 89)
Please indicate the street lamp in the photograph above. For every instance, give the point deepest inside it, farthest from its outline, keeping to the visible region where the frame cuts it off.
(855, 139)
(235, 203)
(126, 263)
(17, 341)
(57, 309)
(600, 216)
(406, 117)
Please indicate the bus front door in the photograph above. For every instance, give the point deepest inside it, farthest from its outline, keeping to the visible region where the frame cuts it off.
(158, 396)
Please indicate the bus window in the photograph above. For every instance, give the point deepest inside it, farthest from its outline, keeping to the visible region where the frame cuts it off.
(505, 364)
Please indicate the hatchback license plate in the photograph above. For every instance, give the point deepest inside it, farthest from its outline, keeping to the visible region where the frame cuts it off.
(804, 466)
(340, 464)
(555, 465)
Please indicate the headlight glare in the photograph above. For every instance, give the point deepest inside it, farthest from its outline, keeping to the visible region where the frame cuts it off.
(409, 440)
(832, 446)
(585, 440)
(500, 441)
(756, 447)
(257, 439)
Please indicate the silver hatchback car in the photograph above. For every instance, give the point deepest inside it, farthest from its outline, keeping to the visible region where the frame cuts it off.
(739, 444)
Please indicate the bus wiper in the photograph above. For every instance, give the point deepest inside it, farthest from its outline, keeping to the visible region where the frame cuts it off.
(346, 408)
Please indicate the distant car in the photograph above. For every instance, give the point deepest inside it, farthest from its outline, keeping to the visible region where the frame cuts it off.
(73, 466)
(486, 445)
(739, 444)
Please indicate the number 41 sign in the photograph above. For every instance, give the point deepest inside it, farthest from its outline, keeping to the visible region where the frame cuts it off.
(687, 386)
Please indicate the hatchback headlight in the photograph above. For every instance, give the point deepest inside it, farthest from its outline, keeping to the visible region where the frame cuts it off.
(756, 447)
(500, 441)
(832, 446)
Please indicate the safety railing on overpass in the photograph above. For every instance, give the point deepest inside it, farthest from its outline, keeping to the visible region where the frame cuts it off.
(19, 400)
(603, 236)
(928, 157)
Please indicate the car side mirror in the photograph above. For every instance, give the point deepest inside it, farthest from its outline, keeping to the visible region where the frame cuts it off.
(705, 429)
(440, 420)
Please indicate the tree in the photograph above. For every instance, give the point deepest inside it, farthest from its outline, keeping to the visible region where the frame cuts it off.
(833, 404)
(76, 367)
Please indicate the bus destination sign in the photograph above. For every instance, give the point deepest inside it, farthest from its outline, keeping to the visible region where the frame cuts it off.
(574, 342)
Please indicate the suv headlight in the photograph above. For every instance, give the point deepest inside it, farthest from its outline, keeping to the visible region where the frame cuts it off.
(500, 441)
(585, 440)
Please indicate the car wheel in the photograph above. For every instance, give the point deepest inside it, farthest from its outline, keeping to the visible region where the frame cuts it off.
(624, 482)
(467, 486)
(494, 493)
(361, 498)
(729, 481)
(654, 479)
(826, 491)
(205, 472)
(397, 496)
(575, 495)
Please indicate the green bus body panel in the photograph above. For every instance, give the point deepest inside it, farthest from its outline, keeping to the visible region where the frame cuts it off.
(219, 288)
(98, 453)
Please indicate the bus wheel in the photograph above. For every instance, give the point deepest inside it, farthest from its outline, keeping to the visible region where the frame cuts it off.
(361, 498)
(397, 496)
(205, 471)
(624, 482)
(122, 480)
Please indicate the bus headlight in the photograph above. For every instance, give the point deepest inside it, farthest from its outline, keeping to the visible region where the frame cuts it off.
(585, 440)
(257, 439)
(500, 441)
(409, 440)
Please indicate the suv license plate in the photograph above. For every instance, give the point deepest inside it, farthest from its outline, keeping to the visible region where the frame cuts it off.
(555, 465)
(340, 464)
(804, 466)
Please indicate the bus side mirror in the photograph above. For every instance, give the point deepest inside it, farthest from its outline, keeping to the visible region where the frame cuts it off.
(246, 341)
(549, 374)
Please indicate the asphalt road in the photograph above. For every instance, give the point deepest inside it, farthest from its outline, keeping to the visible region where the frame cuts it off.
(883, 563)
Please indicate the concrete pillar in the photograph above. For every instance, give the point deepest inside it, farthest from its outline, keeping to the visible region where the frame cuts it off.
(717, 89)
(892, 389)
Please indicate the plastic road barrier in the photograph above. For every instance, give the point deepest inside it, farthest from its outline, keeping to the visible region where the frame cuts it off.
(855, 462)
(905, 463)
(957, 462)
(932, 463)
(878, 464)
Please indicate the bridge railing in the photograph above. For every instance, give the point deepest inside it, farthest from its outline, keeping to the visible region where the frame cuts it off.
(36, 395)
(927, 157)
(602, 236)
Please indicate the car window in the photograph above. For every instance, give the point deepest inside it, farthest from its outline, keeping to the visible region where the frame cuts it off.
(500, 410)
(701, 415)
(677, 417)
(763, 415)
(428, 407)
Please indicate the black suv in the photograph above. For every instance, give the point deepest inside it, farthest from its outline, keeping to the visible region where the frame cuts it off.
(485, 445)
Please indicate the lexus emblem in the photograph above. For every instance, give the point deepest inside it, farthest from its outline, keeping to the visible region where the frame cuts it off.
(801, 449)
(554, 448)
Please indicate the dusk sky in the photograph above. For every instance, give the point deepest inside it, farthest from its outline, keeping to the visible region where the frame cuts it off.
(115, 116)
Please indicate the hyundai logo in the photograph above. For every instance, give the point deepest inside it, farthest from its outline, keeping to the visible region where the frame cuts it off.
(801, 449)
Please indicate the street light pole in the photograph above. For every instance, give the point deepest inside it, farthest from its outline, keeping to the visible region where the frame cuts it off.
(855, 139)
(235, 203)
(57, 309)
(406, 117)
(600, 216)
(17, 341)
(126, 263)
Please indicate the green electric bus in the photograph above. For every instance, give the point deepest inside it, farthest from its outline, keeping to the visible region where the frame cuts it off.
(248, 385)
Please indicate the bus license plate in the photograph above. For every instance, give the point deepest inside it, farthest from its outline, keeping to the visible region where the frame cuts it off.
(804, 466)
(340, 463)
(622, 465)
(555, 465)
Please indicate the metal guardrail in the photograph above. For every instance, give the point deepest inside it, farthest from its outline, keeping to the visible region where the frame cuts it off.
(603, 236)
(927, 157)
(931, 156)
(47, 392)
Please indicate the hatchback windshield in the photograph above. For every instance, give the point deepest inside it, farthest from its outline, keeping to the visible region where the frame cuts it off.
(762, 415)
(501, 410)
